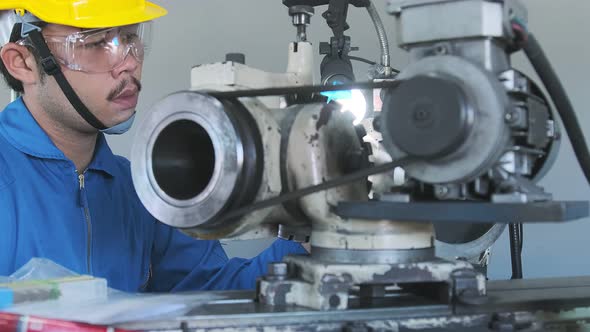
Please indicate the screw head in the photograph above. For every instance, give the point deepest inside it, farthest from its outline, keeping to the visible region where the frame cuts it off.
(441, 50)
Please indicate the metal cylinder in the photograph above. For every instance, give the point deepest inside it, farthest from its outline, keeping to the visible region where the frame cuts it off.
(195, 157)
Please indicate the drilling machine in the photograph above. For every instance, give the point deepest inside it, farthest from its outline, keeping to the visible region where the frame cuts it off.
(251, 154)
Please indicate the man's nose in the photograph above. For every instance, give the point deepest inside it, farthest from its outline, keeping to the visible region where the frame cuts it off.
(129, 64)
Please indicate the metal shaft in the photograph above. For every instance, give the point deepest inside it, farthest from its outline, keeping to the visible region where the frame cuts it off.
(301, 33)
(515, 252)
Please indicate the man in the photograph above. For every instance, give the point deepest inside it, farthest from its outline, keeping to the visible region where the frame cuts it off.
(63, 194)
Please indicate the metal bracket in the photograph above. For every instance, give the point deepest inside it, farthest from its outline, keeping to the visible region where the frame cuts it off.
(466, 288)
(336, 19)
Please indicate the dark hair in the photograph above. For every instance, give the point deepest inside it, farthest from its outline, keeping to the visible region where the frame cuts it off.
(15, 36)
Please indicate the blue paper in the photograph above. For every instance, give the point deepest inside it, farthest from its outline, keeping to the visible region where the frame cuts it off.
(6, 298)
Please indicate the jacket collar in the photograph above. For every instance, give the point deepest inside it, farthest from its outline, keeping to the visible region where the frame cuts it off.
(23, 132)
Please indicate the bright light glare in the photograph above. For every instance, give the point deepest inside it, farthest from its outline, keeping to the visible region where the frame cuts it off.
(356, 104)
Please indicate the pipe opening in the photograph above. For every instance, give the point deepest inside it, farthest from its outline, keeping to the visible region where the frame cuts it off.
(183, 159)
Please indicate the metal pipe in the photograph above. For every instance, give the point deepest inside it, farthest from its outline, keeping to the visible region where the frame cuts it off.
(382, 35)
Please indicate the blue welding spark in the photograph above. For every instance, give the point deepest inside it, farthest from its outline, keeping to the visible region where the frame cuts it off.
(337, 95)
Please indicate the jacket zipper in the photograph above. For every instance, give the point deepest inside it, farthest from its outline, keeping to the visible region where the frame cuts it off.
(147, 282)
(84, 204)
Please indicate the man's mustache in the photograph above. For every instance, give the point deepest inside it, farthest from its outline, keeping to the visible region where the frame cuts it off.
(121, 86)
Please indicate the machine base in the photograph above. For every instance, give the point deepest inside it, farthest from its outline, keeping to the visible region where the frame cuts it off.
(560, 304)
(312, 283)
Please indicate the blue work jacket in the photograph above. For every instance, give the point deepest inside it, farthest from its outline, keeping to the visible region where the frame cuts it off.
(98, 226)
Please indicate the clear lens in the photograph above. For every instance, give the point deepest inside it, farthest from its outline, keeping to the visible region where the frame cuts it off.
(101, 50)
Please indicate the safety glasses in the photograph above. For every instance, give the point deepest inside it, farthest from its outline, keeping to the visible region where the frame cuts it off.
(100, 50)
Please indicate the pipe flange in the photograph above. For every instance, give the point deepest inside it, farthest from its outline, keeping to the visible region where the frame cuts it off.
(186, 133)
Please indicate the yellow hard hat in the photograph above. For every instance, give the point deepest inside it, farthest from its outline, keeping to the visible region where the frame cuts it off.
(87, 13)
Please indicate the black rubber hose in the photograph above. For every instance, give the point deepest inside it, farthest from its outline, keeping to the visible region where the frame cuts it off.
(356, 58)
(521, 236)
(515, 252)
(543, 67)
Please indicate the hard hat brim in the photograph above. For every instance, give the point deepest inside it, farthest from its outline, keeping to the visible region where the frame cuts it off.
(113, 19)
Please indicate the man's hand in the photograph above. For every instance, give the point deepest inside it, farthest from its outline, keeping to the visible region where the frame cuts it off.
(307, 246)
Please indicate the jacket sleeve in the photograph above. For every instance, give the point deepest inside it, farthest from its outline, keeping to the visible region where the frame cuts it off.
(8, 221)
(180, 262)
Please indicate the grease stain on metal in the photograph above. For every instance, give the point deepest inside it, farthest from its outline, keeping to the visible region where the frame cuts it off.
(280, 294)
(414, 273)
(314, 138)
(325, 115)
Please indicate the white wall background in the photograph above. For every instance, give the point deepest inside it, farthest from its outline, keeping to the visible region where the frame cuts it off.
(202, 31)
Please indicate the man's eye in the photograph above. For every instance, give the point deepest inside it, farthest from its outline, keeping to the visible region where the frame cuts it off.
(130, 38)
(100, 43)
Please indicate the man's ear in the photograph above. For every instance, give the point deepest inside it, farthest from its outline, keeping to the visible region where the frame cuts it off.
(20, 63)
